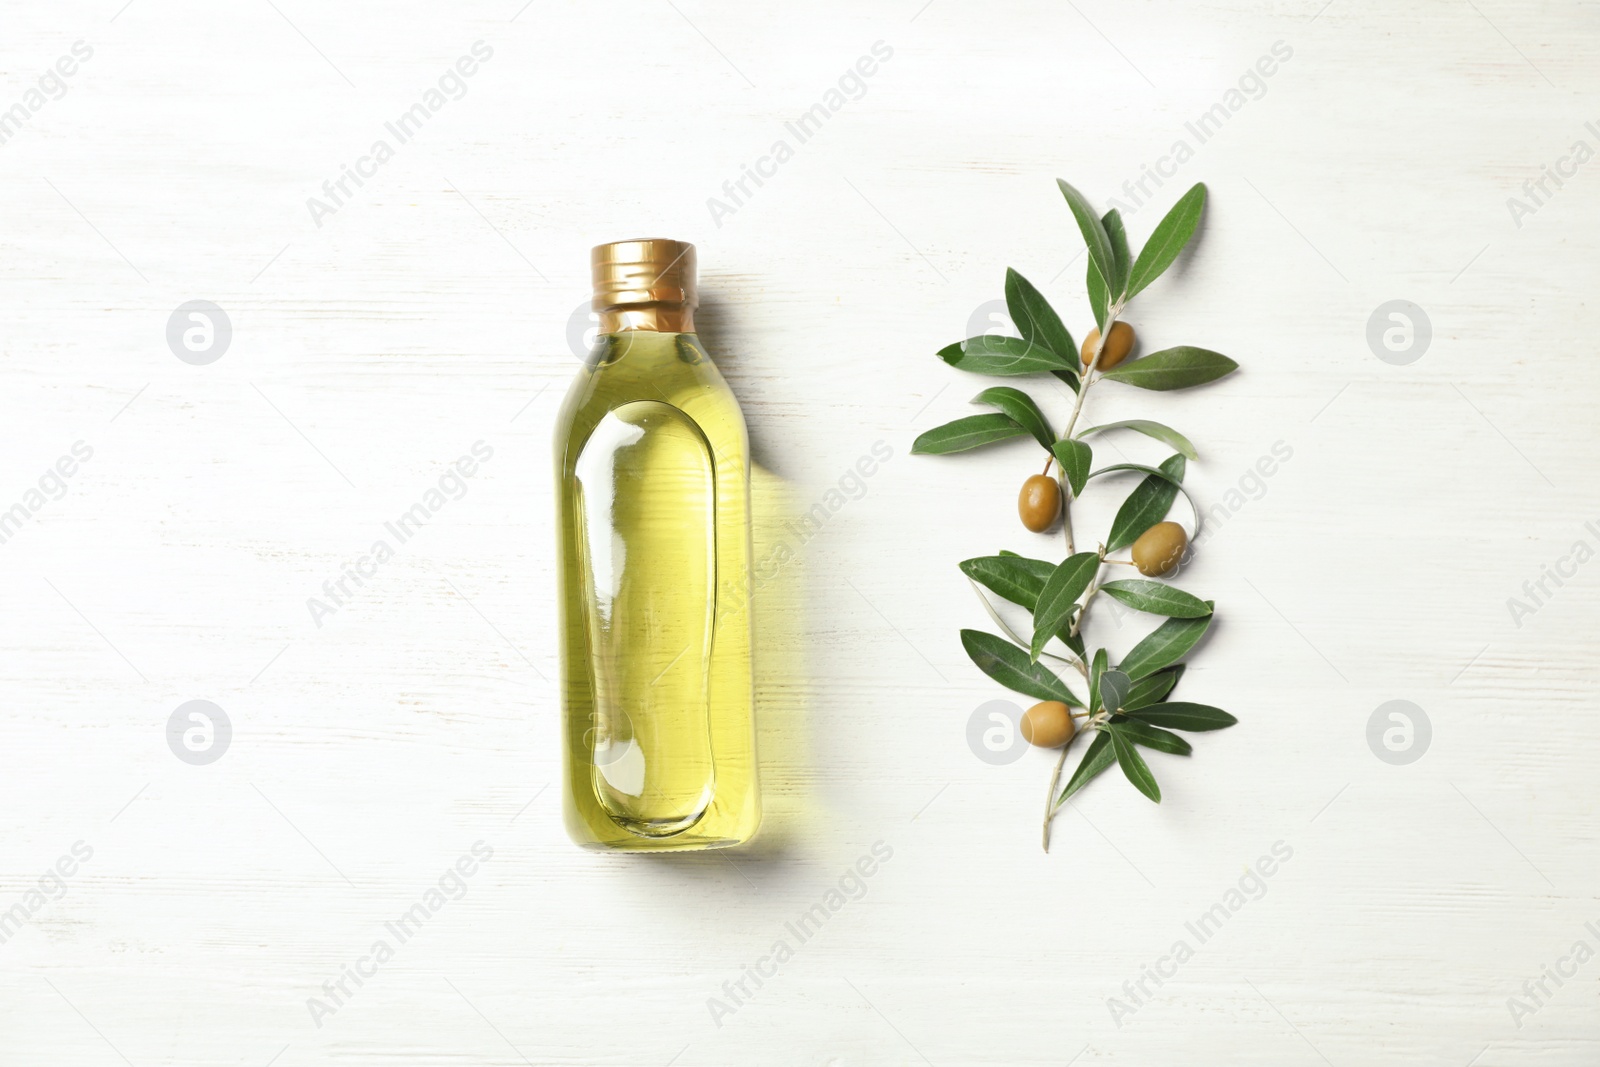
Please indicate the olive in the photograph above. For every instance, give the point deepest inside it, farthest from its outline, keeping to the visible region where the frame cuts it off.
(1048, 724)
(1039, 502)
(1118, 345)
(1159, 549)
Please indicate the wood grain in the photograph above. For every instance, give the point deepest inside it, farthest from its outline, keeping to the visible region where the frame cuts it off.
(431, 311)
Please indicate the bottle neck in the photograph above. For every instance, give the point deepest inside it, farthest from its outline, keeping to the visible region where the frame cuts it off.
(651, 318)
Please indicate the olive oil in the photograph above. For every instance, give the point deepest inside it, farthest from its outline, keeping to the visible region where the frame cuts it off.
(652, 461)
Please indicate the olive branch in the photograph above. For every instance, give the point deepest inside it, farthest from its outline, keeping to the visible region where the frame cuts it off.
(1128, 707)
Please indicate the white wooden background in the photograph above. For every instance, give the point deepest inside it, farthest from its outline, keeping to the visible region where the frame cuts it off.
(431, 312)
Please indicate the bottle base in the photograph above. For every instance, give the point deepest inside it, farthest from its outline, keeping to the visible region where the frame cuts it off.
(681, 843)
(609, 834)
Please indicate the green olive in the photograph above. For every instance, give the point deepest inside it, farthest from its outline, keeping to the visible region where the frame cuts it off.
(1039, 502)
(1159, 549)
(1118, 344)
(1048, 724)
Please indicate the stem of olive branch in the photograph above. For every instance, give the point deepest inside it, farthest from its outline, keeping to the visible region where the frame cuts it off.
(1050, 795)
(1066, 524)
(1050, 805)
(1072, 421)
(1066, 512)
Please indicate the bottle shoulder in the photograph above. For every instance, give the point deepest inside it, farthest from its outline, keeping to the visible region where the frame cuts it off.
(672, 369)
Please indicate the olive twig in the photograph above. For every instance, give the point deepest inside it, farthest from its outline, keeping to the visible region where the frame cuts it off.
(1050, 796)
(1084, 382)
(1059, 595)
(1066, 512)
(1051, 805)
(1088, 373)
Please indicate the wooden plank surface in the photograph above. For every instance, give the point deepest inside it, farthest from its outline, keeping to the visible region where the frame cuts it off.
(380, 336)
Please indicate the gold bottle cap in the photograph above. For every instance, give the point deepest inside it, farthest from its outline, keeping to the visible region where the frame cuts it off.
(643, 271)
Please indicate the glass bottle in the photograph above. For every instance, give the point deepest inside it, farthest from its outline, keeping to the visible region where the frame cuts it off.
(653, 516)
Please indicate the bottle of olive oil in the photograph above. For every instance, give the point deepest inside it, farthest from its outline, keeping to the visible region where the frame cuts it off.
(652, 461)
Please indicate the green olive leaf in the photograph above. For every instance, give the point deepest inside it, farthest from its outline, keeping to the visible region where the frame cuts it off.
(1096, 759)
(1165, 434)
(1035, 319)
(1068, 376)
(1149, 502)
(1141, 733)
(1010, 666)
(1002, 356)
(1093, 230)
(1058, 598)
(971, 432)
(1074, 457)
(1096, 669)
(1157, 598)
(1181, 716)
(1121, 258)
(1134, 766)
(1173, 368)
(1022, 409)
(1099, 299)
(1171, 234)
(1165, 645)
(1153, 688)
(1019, 580)
(1015, 578)
(1005, 627)
(1114, 687)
